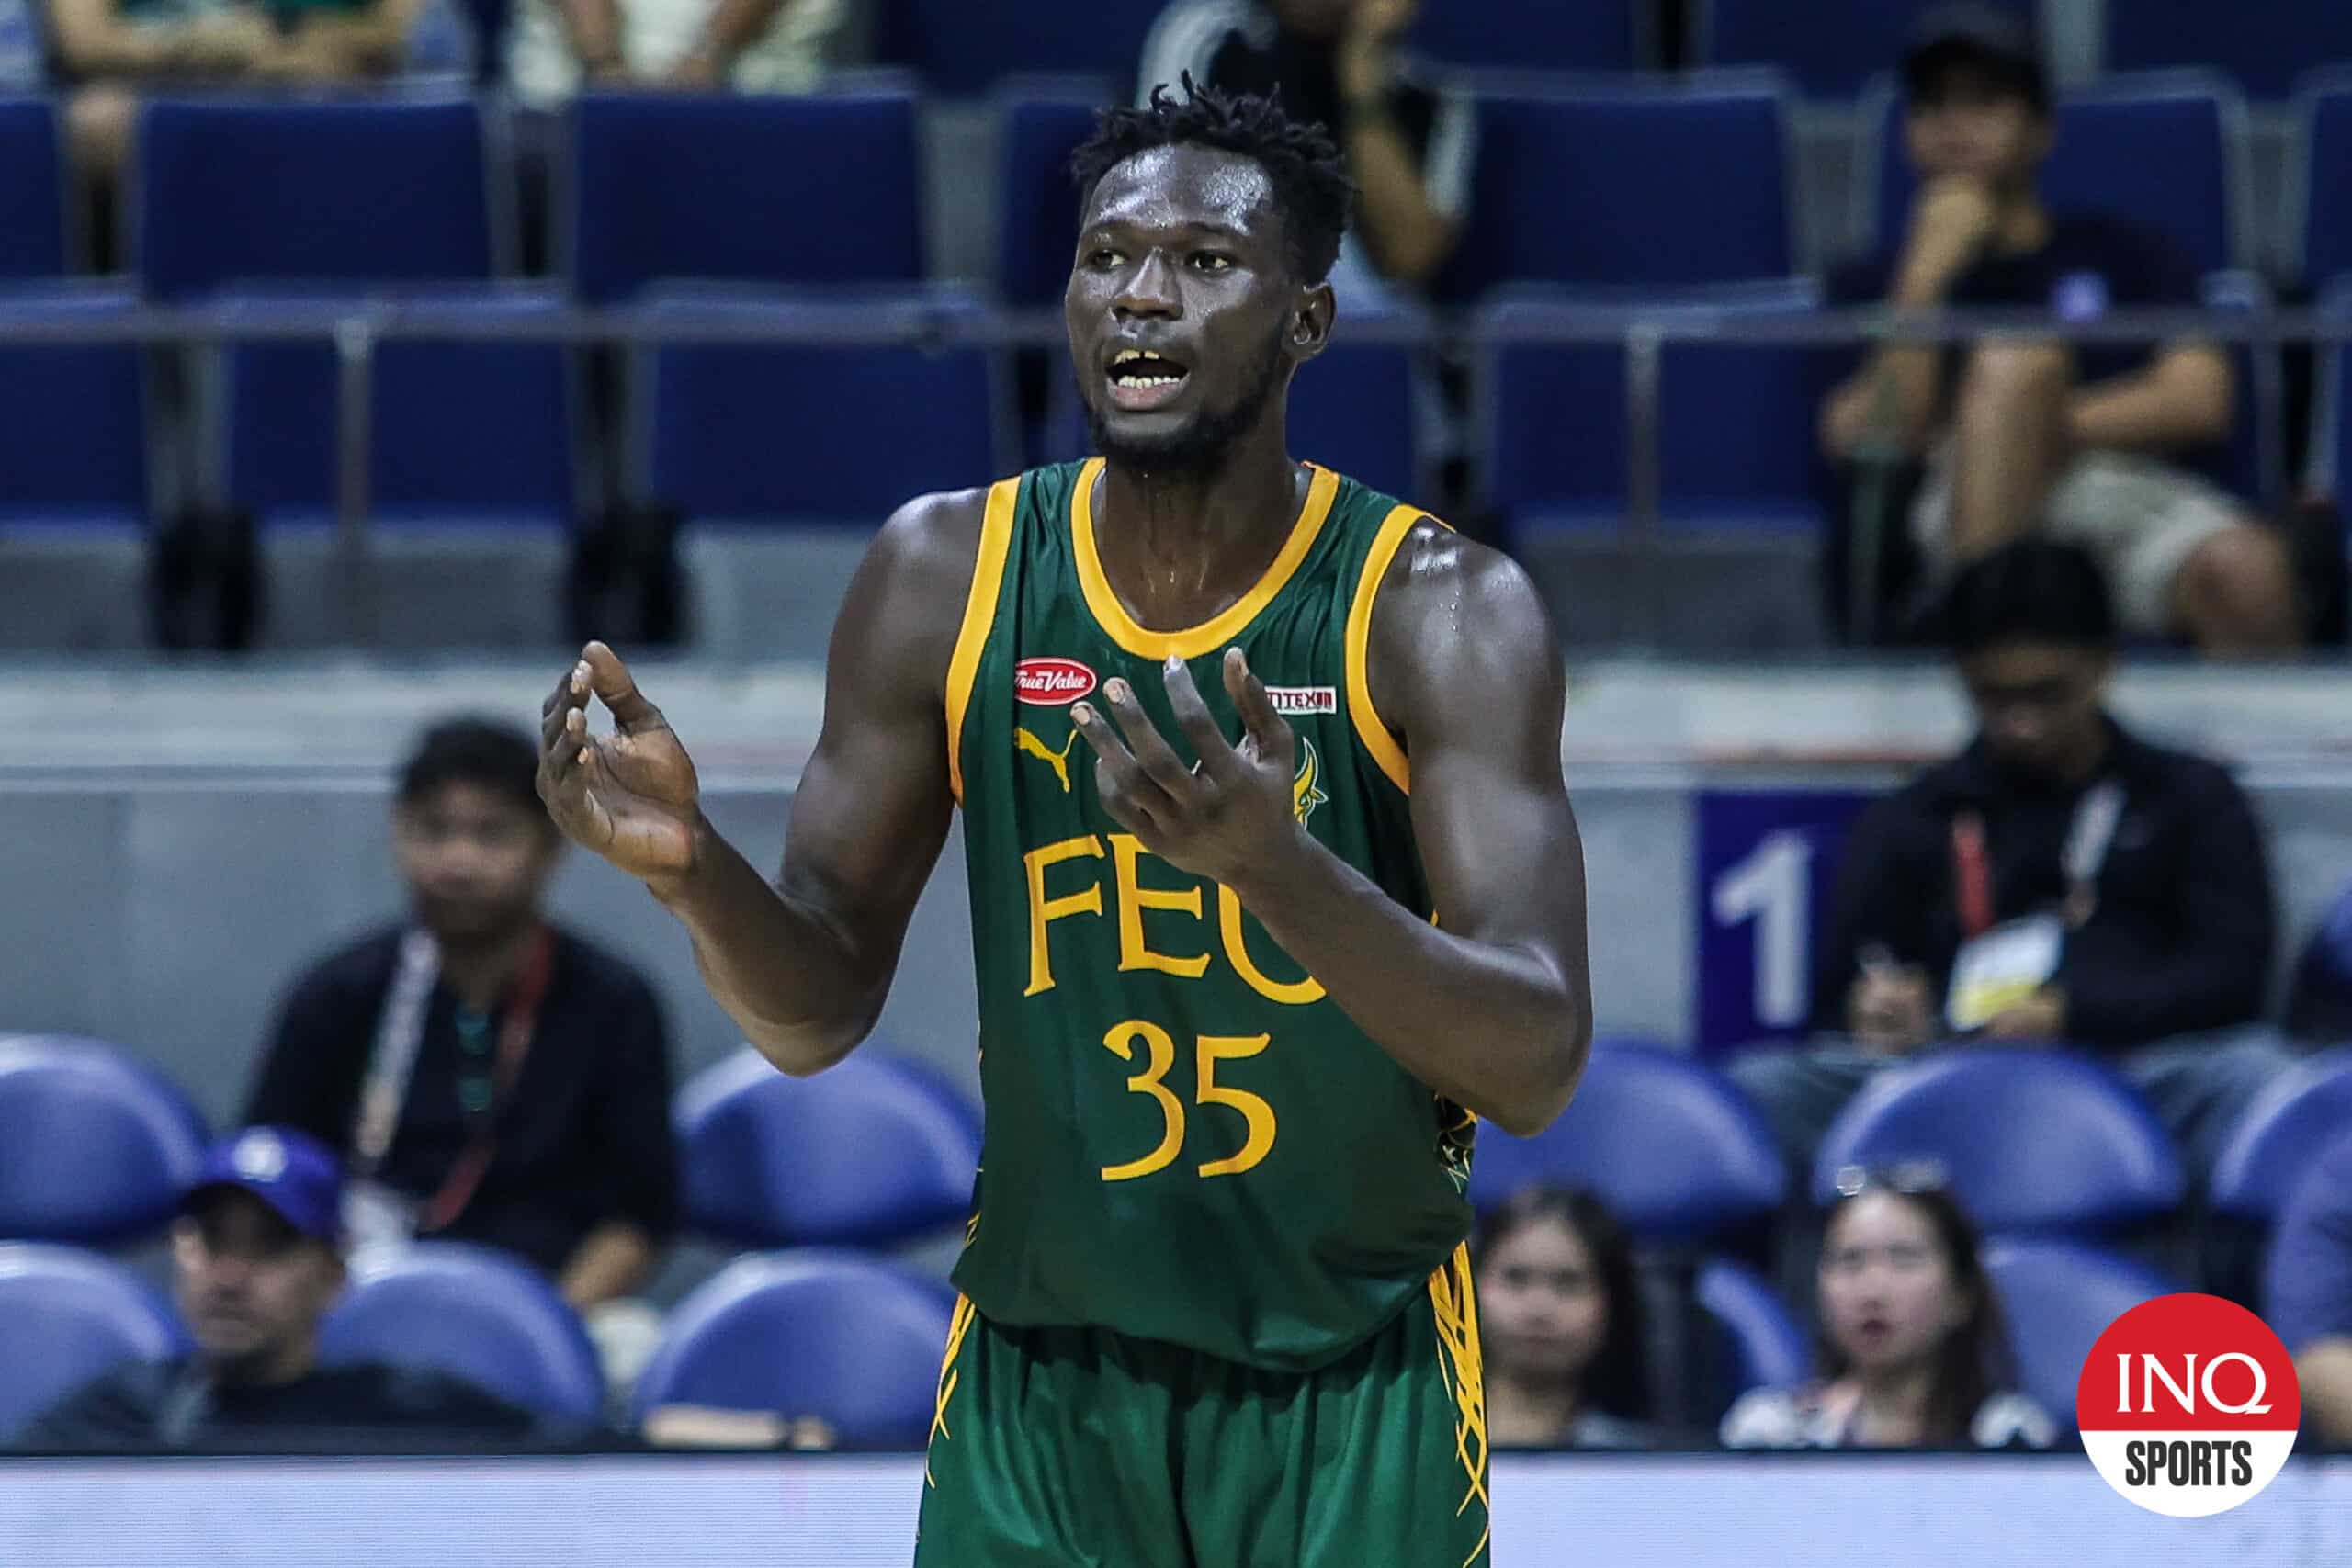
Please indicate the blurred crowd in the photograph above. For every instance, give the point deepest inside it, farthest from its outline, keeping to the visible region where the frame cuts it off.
(2167, 461)
(473, 1077)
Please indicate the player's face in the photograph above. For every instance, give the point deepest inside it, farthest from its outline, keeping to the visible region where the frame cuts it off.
(250, 1286)
(1966, 122)
(1542, 1305)
(2038, 706)
(1887, 1293)
(474, 860)
(1183, 314)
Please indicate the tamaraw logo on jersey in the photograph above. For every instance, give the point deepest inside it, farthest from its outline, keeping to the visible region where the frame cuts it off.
(1304, 702)
(1051, 682)
(2188, 1406)
(1304, 795)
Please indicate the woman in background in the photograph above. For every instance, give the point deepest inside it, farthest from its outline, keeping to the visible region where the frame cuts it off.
(1912, 1352)
(1560, 1316)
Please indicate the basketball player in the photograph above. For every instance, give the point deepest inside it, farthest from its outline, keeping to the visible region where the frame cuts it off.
(1309, 901)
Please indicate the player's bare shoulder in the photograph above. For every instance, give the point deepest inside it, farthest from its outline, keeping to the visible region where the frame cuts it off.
(902, 610)
(1456, 622)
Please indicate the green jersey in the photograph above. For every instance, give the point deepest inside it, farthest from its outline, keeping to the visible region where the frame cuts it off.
(1187, 1140)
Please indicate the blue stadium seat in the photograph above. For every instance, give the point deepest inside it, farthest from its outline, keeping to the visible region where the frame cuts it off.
(1830, 47)
(2262, 43)
(1735, 446)
(2318, 191)
(869, 1153)
(961, 50)
(1656, 187)
(837, 432)
(1765, 1348)
(2280, 1133)
(848, 1339)
(2030, 1141)
(67, 1316)
(2057, 1298)
(1561, 35)
(781, 459)
(473, 475)
(472, 1313)
(389, 190)
(2169, 152)
(99, 1146)
(2253, 462)
(479, 431)
(2332, 400)
(32, 190)
(74, 476)
(822, 189)
(1040, 123)
(1355, 408)
(1674, 1148)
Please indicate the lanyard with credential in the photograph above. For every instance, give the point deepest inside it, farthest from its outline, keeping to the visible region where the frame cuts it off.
(513, 1044)
(399, 1033)
(2088, 836)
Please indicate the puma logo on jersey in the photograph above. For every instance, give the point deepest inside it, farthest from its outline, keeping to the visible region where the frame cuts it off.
(1058, 761)
(1304, 795)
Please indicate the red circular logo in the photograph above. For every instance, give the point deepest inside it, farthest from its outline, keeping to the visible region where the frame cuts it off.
(1051, 682)
(2187, 1405)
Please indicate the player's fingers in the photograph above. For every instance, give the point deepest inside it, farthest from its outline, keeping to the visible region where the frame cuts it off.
(1125, 791)
(570, 695)
(616, 689)
(1152, 753)
(1257, 709)
(1209, 744)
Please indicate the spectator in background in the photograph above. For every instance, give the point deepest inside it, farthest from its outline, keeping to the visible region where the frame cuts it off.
(2021, 436)
(1409, 145)
(2307, 1296)
(1560, 1313)
(1913, 1351)
(256, 1263)
(109, 52)
(490, 1078)
(751, 46)
(2059, 880)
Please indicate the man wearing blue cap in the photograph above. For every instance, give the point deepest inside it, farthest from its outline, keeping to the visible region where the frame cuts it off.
(256, 1262)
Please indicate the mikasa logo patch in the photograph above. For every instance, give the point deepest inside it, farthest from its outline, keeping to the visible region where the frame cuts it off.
(1292, 702)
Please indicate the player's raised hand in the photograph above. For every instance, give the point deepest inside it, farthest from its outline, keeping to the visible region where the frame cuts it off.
(632, 795)
(1232, 812)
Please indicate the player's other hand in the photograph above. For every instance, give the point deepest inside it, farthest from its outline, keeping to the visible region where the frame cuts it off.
(630, 795)
(1229, 815)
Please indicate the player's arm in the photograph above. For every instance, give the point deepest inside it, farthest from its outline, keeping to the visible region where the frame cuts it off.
(1493, 1007)
(803, 962)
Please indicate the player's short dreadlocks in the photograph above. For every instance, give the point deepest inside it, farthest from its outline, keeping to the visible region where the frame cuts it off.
(1311, 185)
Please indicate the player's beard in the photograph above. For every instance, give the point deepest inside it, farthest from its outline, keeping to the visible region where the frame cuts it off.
(1199, 448)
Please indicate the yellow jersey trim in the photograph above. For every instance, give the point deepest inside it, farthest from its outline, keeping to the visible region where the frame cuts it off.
(1379, 742)
(1212, 634)
(1460, 1361)
(979, 618)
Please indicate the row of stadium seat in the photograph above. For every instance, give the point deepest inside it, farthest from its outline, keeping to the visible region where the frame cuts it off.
(846, 1338)
(875, 1152)
(851, 1338)
(485, 446)
(1614, 187)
